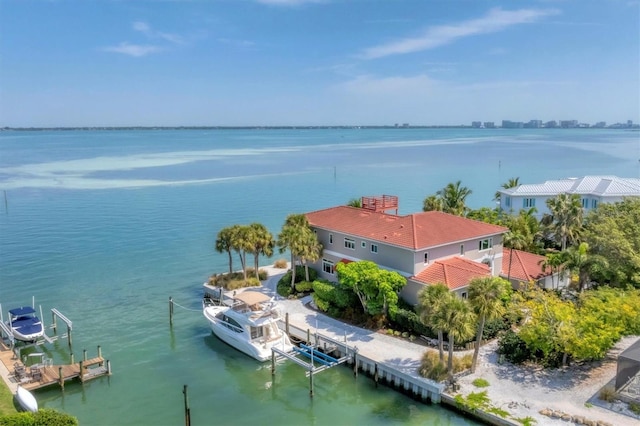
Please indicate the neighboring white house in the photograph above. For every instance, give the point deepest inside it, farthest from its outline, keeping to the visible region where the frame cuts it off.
(592, 190)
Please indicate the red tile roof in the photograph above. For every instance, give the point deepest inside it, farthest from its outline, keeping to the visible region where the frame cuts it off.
(415, 231)
(454, 272)
(525, 266)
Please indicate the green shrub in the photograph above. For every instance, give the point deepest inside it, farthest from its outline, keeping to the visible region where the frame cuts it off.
(513, 348)
(493, 327)
(480, 383)
(322, 304)
(304, 286)
(262, 274)
(635, 407)
(241, 283)
(408, 320)
(44, 416)
(526, 421)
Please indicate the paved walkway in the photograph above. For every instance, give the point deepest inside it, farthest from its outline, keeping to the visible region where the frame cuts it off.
(397, 353)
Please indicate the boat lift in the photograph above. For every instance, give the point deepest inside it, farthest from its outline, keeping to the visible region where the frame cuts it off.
(315, 356)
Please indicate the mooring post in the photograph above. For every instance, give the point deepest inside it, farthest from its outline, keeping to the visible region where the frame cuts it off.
(308, 336)
(84, 354)
(69, 335)
(170, 310)
(72, 358)
(286, 323)
(273, 363)
(99, 351)
(61, 377)
(54, 326)
(187, 410)
(108, 367)
(82, 371)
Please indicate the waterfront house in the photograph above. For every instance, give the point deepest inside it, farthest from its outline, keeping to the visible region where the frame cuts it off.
(591, 189)
(425, 247)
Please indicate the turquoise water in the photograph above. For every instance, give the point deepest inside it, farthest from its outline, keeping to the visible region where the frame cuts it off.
(106, 225)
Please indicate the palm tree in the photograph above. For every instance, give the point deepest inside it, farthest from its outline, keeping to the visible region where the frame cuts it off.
(485, 296)
(511, 183)
(311, 251)
(453, 198)
(432, 203)
(513, 240)
(262, 243)
(583, 264)
(242, 237)
(430, 301)
(455, 318)
(224, 244)
(294, 237)
(565, 218)
(355, 202)
(554, 262)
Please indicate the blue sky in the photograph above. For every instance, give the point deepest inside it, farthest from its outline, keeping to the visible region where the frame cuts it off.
(317, 62)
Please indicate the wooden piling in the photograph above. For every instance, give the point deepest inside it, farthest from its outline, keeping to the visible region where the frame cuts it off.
(54, 326)
(84, 354)
(308, 336)
(61, 377)
(286, 323)
(99, 351)
(69, 341)
(108, 367)
(170, 310)
(81, 371)
(72, 358)
(273, 363)
(187, 410)
(355, 364)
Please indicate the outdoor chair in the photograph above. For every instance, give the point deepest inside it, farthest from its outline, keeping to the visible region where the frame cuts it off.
(36, 374)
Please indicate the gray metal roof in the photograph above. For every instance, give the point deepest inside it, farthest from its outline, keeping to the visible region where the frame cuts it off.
(604, 186)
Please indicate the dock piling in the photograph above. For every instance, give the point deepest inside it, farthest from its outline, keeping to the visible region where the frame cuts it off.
(84, 355)
(170, 311)
(187, 410)
(99, 351)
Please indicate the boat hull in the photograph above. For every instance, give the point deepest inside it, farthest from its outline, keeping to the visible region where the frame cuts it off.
(26, 400)
(259, 350)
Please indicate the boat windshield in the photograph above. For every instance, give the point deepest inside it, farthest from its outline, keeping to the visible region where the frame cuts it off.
(25, 310)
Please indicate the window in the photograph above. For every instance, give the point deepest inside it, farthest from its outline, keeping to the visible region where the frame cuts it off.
(461, 249)
(327, 266)
(585, 203)
(374, 248)
(527, 203)
(330, 238)
(363, 244)
(464, 295)
(485, 244)
(426, 258)
(594, 203)
(349, 243)
(507, 201)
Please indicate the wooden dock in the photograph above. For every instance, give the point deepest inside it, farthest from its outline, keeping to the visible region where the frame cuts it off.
(39, 375)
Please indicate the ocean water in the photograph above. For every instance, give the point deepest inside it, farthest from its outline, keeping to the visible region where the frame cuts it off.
(107, 225)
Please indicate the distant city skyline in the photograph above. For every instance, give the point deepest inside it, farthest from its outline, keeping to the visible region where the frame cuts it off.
(317, 62)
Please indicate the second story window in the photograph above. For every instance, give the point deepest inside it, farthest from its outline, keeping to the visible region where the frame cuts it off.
(426, 258)
(527, 203)
(461, 249)
(349, 243)
(485, 244)
(374, 248)
(330, 238)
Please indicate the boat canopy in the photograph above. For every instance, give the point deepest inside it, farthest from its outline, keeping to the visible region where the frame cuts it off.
(251, 298)
(25, 310)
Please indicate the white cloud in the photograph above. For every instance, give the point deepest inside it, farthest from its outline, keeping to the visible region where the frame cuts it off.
(146, 29)
(136, 50)
(496, 20)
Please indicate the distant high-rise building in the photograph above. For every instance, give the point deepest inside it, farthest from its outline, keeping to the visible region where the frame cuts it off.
(600, 124)
(569, 124)
(551, 124)
(489, 125)
(476, 124)
(533, 124)
(508, 124)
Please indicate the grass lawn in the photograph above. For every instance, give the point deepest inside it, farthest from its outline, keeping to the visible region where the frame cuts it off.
(6, 400)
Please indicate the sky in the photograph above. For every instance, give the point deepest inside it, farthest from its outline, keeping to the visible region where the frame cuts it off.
(66, 63)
